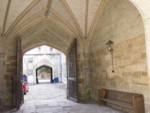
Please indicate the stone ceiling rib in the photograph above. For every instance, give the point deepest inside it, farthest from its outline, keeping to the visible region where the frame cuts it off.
(16, 8)
(48, 27)
(46, 41)
(79, 16)
(73, 16)
(49, 3)
(3, 8)
(6, 17)
(86, 17)
(58, 36)
(56, 16)
(24, 26)
(34, 30)
(34, 10)
(62, 12)
(48, 30)
(78, 7)
(64, 28)
(96, 17)
(39, 7)
(27, 25)
(93, 6)
(20, 17)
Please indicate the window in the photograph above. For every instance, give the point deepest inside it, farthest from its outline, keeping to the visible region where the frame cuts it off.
(39, 48)
(51, 49)
(30, 59)
(30, 71)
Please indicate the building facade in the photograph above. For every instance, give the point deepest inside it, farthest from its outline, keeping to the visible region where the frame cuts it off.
(44, 56)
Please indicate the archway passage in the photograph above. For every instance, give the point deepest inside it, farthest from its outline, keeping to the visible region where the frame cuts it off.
(44, 74)
(46, 59)
(46, 63)
(93, 22)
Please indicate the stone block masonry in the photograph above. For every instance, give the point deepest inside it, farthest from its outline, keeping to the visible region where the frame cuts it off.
(130, 68)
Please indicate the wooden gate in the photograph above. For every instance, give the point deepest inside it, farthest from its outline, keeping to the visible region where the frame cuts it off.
(72, 89)
(18, 92)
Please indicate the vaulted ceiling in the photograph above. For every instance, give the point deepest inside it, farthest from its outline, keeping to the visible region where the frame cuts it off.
(73, 16)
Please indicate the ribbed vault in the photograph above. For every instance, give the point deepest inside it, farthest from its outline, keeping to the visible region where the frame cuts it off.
(46, 32)
(77, 16)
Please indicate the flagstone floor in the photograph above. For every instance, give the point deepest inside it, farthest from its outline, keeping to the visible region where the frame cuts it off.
(51, 98)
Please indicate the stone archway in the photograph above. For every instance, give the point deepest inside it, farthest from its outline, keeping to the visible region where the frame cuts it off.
(50, 70)
(143, 8)
(40, 64)
(56, 32)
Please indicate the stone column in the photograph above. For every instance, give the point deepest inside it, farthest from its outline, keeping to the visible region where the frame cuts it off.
(86, 70)
(85, 77)
(1, 74)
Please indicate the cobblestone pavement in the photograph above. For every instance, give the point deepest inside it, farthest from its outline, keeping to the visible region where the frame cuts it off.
(51, 98)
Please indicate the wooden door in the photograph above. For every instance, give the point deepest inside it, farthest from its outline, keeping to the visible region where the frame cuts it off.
(51, 75)
(18, 92)
(72, 89)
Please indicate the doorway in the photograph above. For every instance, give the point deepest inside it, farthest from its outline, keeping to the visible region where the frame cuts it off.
(44, 74)
(42, 65)
(70, 66)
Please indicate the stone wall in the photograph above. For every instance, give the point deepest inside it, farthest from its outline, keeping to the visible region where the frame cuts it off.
(129, 66)
(8, 71)
(64, 68)
(53, 60)
(121, 23)
(1, 75)
(9, 65)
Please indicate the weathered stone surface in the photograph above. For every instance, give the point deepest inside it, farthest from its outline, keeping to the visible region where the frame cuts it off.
(53, 100)
(119, 21)
(130, 69)
(129, 55)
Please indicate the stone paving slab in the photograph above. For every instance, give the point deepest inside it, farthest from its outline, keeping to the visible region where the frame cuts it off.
(51, 98)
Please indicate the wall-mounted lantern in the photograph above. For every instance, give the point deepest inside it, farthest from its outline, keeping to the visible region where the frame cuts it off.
(110, 48)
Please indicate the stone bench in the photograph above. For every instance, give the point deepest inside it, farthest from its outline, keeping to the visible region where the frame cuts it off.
(124, 101)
